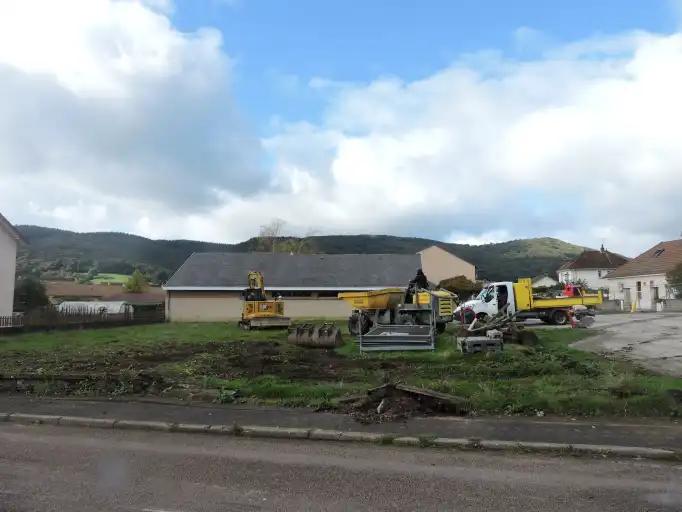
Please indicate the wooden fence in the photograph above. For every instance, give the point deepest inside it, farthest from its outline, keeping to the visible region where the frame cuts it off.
(75, 318)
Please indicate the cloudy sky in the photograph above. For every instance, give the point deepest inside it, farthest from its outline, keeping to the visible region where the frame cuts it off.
(463, 121)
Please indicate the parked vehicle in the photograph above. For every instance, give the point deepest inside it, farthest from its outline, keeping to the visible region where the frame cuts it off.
(395, 306)
(518, 299)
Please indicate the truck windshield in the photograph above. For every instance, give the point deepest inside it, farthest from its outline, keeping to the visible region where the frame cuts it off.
(486, 294)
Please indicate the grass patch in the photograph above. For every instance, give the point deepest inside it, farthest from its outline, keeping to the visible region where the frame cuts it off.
(271, 389)
(550, 377)
(110, 279)
(136, 336)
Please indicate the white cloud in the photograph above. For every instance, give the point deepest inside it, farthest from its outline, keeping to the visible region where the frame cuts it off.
(567, 144)
(105, 101)
(117, 120)
(490, 237)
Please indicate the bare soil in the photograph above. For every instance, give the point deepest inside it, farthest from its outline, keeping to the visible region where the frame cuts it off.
(226, 360)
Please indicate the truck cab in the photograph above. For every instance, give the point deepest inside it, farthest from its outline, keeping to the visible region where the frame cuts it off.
(492, 299)
(518, 299)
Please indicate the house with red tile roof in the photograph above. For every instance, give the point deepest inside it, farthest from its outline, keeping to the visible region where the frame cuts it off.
(643, 279)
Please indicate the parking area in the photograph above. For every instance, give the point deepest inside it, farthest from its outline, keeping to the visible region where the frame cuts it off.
(652, 340)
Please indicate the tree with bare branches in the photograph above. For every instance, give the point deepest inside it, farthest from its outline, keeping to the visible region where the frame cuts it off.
(270, 233)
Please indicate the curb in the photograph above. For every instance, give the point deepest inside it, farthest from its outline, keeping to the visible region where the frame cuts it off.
(258, 431)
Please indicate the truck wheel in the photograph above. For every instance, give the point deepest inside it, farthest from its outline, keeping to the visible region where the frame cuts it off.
(365, 323)
(359, 322)
(353, 324)
(559, 317)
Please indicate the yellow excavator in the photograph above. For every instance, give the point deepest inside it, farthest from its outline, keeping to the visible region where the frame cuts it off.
(259, 312)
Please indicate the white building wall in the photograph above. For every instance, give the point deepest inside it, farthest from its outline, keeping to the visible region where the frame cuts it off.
(641, 288)
(8, 262)
(595, 278)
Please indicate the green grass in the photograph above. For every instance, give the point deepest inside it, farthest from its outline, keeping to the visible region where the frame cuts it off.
(110, 279)
(549, 377)
(131, 336)
(273, 390)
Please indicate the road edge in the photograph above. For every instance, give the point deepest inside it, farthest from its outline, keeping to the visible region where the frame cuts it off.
(316, 434)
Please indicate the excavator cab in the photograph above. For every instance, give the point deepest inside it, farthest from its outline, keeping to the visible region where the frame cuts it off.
(256, 290)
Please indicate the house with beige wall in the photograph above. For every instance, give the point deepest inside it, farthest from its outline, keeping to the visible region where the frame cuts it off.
(9, 240)
(438, 264)
(208, 286)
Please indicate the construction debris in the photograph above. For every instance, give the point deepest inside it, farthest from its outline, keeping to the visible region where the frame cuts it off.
(492, 333)
(392, 402)
(325, 335)
(476, 344)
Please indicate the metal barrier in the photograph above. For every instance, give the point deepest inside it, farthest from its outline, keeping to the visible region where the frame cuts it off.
(398, 337)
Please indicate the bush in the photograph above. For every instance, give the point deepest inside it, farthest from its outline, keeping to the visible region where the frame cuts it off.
(29, 294)
(460, 285)
(136, 283)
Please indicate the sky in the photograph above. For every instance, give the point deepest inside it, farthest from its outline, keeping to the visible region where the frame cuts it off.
(468, 121)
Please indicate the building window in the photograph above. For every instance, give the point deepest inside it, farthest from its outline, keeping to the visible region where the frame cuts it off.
(639, 291)
(658, 252)
(655, 293)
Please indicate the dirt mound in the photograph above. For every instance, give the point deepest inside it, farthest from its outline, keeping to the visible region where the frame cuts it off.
(396, 402)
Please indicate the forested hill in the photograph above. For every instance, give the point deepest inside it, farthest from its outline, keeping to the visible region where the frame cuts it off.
(57, 252)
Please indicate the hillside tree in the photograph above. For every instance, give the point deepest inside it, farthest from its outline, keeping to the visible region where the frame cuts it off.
(269, 235)
(136, 283)
(161, 276)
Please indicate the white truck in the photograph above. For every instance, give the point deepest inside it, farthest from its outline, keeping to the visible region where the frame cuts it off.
(518, 298)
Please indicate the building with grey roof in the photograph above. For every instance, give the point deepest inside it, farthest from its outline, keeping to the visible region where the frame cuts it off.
(207, 286)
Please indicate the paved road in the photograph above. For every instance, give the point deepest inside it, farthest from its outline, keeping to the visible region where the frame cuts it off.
(653, 340)
(57, 469)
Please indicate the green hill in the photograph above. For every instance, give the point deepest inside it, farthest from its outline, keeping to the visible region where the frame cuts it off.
(58, 253)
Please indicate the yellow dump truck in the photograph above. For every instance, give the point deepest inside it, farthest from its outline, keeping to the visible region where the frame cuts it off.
(518, 298)
(395, 306)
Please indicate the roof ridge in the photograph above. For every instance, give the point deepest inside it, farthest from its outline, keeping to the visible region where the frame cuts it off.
(11, 229)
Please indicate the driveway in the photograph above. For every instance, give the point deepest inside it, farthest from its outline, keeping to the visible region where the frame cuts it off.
(652, 340)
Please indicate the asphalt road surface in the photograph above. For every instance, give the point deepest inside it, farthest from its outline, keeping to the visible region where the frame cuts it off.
(66, 469)
(652, 340)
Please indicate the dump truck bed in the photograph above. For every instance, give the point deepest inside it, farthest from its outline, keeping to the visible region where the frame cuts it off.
(523, 295)
(566, 302)
(374, 299)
